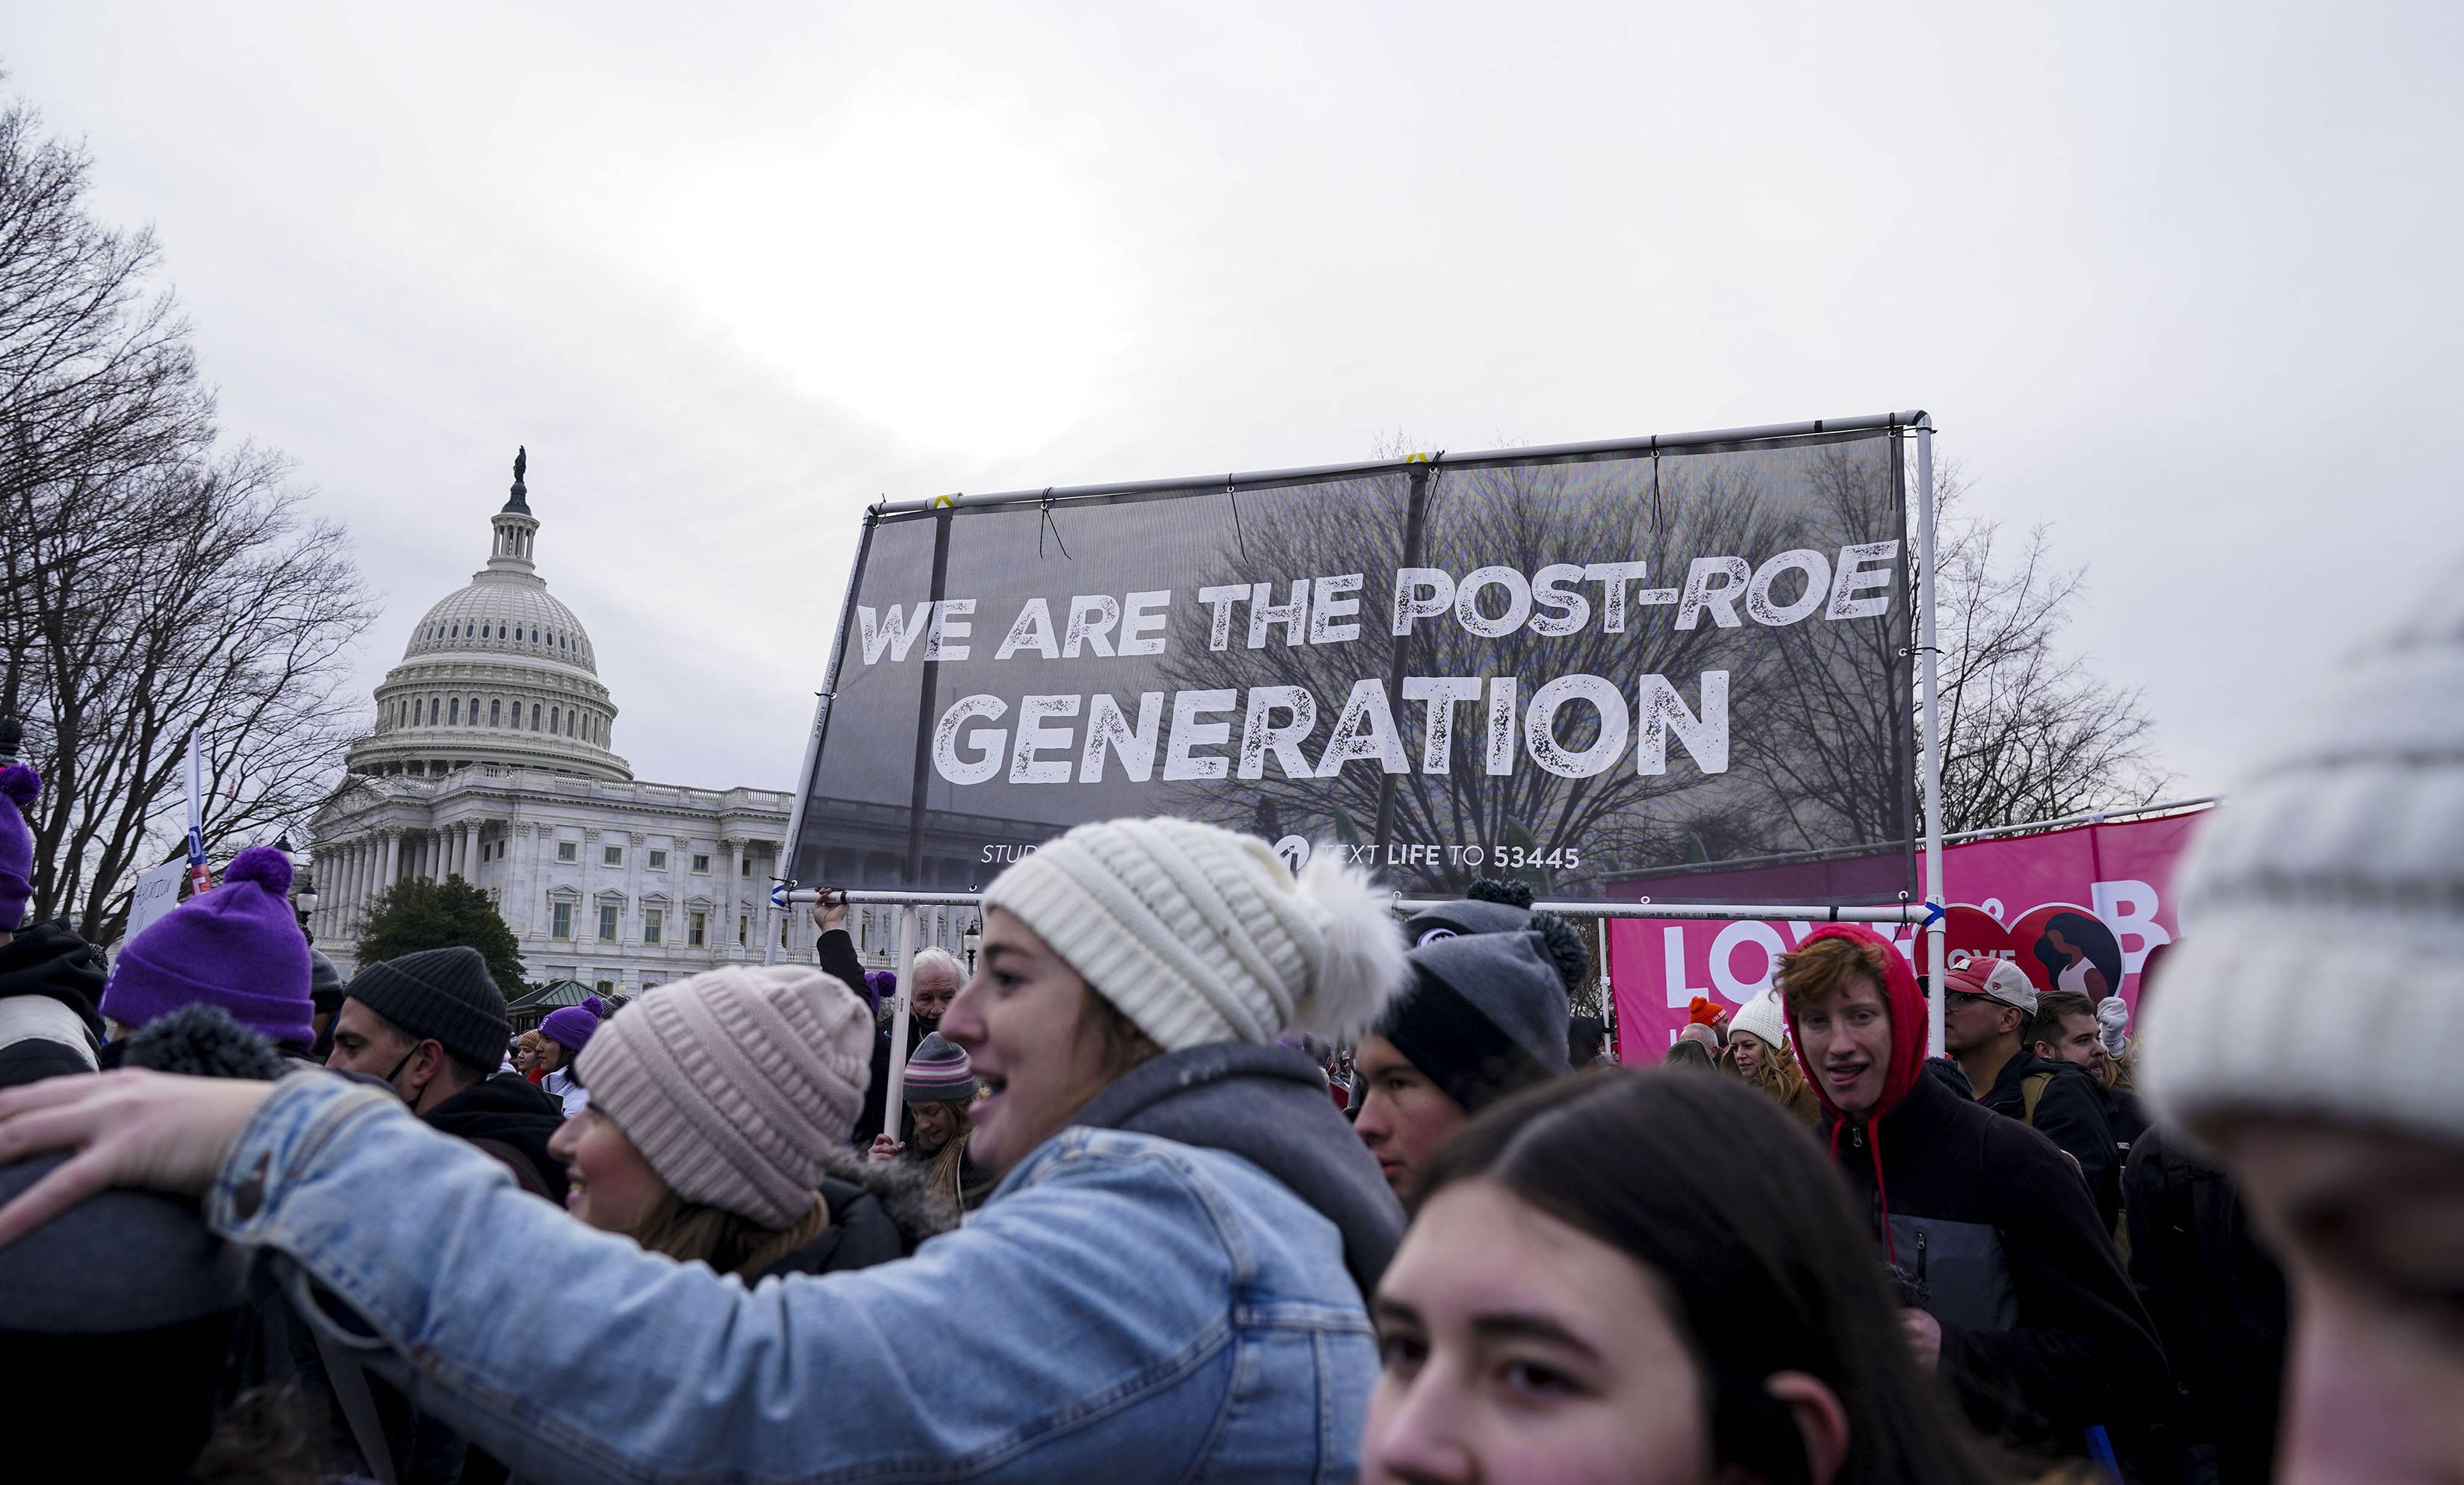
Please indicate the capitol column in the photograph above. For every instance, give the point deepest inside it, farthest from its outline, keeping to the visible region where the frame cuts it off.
(391, 873)
(522, 880)
(727, 908)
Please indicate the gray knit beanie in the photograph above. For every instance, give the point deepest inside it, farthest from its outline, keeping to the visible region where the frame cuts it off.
(1486, 1016)
(737, 1084)
(2324, 901)
(444, 994)
(1198, 933)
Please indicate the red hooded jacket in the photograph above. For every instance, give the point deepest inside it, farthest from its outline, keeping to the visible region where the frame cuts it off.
(1907, 1007)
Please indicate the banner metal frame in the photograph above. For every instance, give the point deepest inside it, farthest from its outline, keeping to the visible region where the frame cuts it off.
(1928, 911)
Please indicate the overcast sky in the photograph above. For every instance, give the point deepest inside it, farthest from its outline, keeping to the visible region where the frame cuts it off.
(2179, 282)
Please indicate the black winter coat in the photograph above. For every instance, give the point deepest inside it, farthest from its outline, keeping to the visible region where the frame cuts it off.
(2217, 1298)
(2042, 1335)
(506, 1115)
(2070, 1113)
(838, 959)
(879, 1211)
(47, 959)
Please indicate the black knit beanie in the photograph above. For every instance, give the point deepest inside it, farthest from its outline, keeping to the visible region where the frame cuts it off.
(1486, 1016)
(445, 993)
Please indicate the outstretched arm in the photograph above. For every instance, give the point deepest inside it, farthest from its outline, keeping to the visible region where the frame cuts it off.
(573, 1355)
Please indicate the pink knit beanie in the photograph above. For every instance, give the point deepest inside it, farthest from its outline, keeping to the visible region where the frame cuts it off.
(735, 1085)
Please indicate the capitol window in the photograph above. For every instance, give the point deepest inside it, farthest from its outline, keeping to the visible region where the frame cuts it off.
(658, 861)
(611, 856)
(651, 925)
(696, 929)
(701, 864)
(495, 712)
(607, 922)
(456, 713)
(566, 850)
(534, 715)
(562, 925)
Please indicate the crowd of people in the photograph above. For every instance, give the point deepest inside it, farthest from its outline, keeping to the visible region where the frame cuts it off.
(1209, 1169)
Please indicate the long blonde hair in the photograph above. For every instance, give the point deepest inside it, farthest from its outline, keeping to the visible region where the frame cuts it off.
(692, 1232)
(1776, 1074)
(941, 1176)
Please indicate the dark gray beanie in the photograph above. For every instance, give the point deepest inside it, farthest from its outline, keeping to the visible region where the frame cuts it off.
(1486, 1016)
(1489, 905)
(324, 982)
(444, 994)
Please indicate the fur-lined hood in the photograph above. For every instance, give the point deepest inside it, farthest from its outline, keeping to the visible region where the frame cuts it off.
(899, 1186)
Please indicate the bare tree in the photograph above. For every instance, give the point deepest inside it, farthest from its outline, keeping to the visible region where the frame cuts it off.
(2030, 732)
(1821, 764)
(153, 586)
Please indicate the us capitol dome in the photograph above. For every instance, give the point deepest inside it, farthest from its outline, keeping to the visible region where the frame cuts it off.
(498, 673)
(490, 760)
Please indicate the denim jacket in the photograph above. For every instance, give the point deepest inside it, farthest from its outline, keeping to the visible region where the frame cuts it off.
(1124, 1307)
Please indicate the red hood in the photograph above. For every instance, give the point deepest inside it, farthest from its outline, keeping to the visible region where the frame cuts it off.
(1907, 1022)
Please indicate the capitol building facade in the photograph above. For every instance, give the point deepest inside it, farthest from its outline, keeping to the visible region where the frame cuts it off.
(492, 759)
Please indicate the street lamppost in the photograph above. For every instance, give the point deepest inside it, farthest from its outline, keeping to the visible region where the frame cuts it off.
(304, 901)
(303, 889)
(972, 940)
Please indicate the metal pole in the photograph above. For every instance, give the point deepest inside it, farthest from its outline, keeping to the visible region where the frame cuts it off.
(1771, 912)
(927, 702)
(1607, 990)
(795, 827)
(1607, 447)
(902, 955)
(820, 721)
(1926, 650)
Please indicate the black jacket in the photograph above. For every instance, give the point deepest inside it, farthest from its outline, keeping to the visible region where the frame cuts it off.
(2042, 1334)
(1269, 1106)
(508, 1116)
(2217, 1298)
(838, 959)
(47, 959)
(879, 1211)
(2070, 1113)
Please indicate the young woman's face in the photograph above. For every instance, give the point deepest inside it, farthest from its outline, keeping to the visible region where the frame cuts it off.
(2371, 1226)
(934, 1123)
(612, 1187)
(1519, 1349)
(1022, 1022)
(1746, 1050)
(526, 1053)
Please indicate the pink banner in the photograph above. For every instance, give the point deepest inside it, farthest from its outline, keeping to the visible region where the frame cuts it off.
(2078, 910)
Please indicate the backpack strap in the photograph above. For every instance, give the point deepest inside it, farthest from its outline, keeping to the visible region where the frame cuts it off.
(2032, 1091)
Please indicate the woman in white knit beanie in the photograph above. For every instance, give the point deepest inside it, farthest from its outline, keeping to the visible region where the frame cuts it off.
(1167, 1283)
(2307, 1030)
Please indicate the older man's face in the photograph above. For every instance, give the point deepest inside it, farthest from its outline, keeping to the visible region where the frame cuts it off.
(936, 985)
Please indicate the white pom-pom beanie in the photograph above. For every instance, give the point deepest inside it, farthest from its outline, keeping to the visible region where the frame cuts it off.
(1763, 1018)
(2323, 903)
(1199, 934)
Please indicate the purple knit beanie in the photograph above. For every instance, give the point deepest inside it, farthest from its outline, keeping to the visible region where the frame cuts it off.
(237, 946)
(571, 1027)
(18, 786)
(879, 984)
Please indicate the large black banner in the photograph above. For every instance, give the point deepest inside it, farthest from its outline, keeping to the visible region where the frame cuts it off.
(1575, 668)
